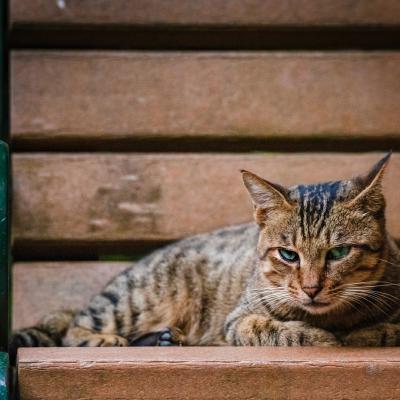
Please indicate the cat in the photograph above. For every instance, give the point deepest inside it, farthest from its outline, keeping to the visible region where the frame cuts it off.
(317, 268)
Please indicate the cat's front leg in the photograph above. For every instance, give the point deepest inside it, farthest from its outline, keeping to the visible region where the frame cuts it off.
(261, 330)
(95, 326)
(81, 337)
(378, 335)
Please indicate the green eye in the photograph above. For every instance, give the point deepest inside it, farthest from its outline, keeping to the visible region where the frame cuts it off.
(338, 252)
(288, 255)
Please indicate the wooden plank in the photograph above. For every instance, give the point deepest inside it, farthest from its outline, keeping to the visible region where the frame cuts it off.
(209, 373)
(206, 12)
(42, 287)
(122, 96)
(152, 197)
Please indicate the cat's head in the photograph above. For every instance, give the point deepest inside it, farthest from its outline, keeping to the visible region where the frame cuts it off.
(317, 242)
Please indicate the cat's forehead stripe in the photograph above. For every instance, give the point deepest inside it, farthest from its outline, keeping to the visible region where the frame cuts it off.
(315, 203)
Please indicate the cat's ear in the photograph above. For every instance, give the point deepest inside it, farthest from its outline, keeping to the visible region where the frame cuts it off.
(265, 195)
(369, 195)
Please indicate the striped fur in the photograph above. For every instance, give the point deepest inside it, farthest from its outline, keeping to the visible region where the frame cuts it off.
(231, 286)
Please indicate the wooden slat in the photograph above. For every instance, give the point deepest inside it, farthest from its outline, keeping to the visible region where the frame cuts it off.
(42, 287)
(209, 373)
(143, 197)
(114, 96)
(206, 12)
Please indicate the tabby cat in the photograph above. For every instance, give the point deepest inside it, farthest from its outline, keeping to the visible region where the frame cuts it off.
(317, 269)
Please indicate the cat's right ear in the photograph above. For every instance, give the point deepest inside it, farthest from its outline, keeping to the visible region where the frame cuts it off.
(265, 195)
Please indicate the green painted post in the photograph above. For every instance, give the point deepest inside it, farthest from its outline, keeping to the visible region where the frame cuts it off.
(3, 376)
(4, 270)
(4, 73)
(4, 202)
(4, 248)
(4, 177)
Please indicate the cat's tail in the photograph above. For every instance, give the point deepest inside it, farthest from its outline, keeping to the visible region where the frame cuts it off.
(49, 332)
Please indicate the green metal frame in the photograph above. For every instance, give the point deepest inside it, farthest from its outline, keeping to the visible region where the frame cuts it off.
(4, 73)
(4, 376)
(4, 202)
(4, 270)
(4, 248)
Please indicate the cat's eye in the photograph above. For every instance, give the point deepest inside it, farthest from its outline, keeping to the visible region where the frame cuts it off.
(338, 252)
(288, 255)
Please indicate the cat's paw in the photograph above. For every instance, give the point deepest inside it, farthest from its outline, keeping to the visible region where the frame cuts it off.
(165, 337)
(98, 340)
(170, 337)
(258, 330)
(296, 333)
(379, 335)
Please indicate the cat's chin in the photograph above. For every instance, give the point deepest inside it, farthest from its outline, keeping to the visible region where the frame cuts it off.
(317, 308)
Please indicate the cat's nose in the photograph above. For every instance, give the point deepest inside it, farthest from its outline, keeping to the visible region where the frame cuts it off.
(311, 291)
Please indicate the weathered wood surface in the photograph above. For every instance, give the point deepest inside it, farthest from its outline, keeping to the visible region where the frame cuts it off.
(141, 197)
(113, 96)
(207, 12)
(42, 287)
(209, 373)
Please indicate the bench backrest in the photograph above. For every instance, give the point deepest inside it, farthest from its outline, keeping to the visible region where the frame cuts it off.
(117, 151)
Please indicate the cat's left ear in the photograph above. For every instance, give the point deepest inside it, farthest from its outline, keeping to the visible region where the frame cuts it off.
(266, 196)
(370, 195)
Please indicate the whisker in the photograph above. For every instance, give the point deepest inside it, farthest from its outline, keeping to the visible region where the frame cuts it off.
(269, 289)
(364, 297)
(389, 262)
(256, 301)
(344, 300)
(374, 293)
(365, 285)
(275, 298)
(363, 308)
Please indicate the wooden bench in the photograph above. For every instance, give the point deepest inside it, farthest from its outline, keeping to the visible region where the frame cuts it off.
(209, 373)
(114, 146)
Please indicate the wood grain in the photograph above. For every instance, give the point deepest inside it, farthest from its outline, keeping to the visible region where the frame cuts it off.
(42, 287)
(145, 197)
(121, 96)
(206, 12)
(209, 373)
